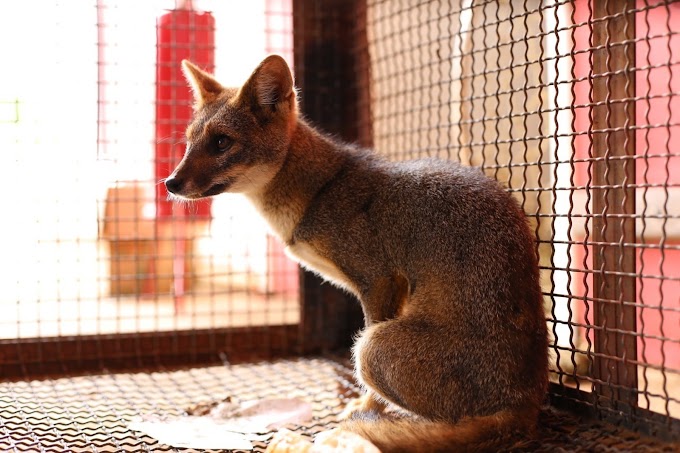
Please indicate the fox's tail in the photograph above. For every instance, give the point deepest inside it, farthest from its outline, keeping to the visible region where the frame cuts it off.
(502, 431)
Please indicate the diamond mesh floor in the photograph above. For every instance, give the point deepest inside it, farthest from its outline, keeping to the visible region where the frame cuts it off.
(91, 413)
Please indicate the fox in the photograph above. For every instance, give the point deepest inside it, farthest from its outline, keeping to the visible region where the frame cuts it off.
(440, 256)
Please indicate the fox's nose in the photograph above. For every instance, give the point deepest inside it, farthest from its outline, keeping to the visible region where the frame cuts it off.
(173, 185)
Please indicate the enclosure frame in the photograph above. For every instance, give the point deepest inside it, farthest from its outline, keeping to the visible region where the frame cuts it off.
(332, 68)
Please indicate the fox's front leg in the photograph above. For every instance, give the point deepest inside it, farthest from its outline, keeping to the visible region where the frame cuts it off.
(385, 300)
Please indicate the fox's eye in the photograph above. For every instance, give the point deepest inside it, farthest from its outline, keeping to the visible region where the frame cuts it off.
(224, 143)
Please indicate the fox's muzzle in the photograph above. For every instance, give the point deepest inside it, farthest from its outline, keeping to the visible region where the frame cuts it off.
(180, 188)
(174, 185)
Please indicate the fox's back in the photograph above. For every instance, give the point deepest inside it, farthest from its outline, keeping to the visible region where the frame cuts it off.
(463, 245)
(432, 220)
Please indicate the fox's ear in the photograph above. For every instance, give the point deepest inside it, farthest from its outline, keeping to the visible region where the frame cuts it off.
(204, 86)
(270, 87)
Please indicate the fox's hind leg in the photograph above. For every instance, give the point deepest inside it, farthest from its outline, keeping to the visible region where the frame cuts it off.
(384, 301)
(411, 363)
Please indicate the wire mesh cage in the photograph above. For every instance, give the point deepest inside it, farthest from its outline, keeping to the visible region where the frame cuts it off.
(118, 302)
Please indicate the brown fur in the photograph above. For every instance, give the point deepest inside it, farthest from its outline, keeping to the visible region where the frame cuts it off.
(488, 433)
(439, 255)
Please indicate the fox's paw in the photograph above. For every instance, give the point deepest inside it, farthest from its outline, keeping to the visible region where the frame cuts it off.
(337, 440)
(366, 403)
(341, 440)
(355, 405)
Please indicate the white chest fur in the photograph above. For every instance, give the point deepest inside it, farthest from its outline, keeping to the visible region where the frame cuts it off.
(306, 255)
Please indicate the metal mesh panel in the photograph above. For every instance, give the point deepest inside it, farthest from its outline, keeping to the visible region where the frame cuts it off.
(92, 413)
(574, 106)
(94, 247)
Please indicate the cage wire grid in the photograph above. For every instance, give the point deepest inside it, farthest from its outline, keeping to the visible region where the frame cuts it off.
(573, 105)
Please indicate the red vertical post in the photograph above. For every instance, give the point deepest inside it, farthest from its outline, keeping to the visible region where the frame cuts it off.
(182, 33)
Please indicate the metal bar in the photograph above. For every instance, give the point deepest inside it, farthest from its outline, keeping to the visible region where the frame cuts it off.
(614, 178)
(93, 353)
(325, 41)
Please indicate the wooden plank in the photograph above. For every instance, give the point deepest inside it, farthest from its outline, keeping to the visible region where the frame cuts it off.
(614, 254)
(330, 44)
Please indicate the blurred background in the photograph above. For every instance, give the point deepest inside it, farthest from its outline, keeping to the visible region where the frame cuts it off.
(90, 244)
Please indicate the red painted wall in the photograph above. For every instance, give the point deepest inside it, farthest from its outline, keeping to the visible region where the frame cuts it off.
(657, 169)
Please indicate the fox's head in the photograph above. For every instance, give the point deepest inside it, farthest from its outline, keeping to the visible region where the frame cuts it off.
(238, 138)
